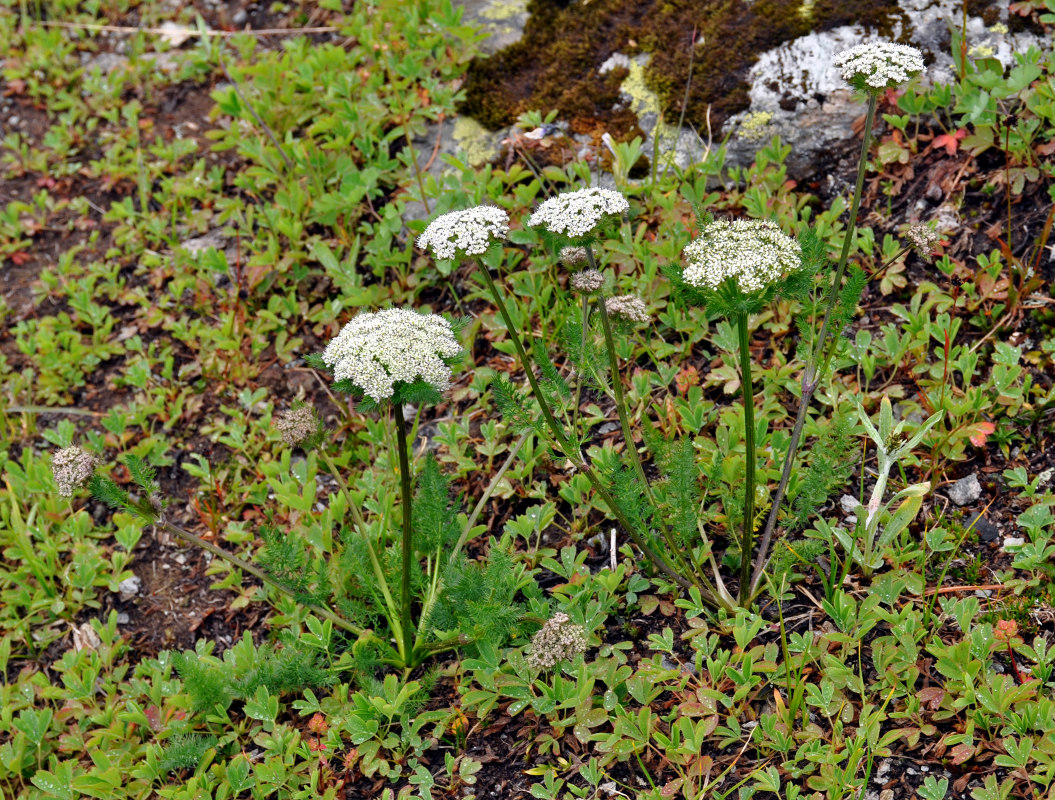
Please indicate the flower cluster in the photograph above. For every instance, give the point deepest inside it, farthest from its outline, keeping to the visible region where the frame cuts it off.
(587, 281)
(558, 640)
(72, 468)
(297, 425)
(754, 253)
(875, 66)
(573, 256)
(627, 307)
(578, 214)
(923, 238)
(469, 232)
(374, 351)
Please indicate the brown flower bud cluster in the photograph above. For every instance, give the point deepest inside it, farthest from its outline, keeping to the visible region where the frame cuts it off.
(559, 640)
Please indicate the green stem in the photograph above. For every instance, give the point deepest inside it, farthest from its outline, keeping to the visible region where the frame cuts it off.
(360, 525)
(851, 228)
(749, 433)
(812, 375)
(561, 438)
(404, 485)
(624, 422)
(582, 362)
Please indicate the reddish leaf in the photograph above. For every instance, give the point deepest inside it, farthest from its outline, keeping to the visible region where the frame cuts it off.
(950, 141)
(931, 696)
(979, 431)
(20, 258)
(961, 753)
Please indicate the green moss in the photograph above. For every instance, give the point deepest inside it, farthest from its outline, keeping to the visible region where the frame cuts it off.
(554, 65)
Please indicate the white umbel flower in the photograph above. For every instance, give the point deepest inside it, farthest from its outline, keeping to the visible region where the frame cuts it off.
(577, 214)
(469, 232)
(375, 351)
(876, 66)
(755, 253)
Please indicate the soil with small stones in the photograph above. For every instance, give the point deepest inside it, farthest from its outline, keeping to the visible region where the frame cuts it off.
(175, 605)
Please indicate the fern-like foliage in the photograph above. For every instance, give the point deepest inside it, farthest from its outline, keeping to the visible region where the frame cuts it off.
(289, 670)
(829, 468)
(284, 558)
(185, 751)
(682, 474)
(479, 598)
(629, 496)
(435, 517)
(513, 407)
(207, 684)
(104, 489)
(142, 473)
(552, 383)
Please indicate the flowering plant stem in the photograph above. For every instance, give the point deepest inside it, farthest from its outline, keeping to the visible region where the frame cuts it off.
(559, 435)
(814, 370)
(404, 485)
(749, 435)
(624, 421)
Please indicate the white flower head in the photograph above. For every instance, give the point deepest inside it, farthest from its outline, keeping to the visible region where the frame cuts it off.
(469, 232)
(627, 307)
(754, 253)
(376, 350)
(72, 468)
(587, 281)
(577, 214)
(875, 66)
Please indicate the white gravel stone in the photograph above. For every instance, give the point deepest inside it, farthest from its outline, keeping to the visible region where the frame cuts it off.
(966, 490)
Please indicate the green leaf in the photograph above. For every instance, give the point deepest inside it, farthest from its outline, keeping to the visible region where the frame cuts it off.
(60, 786)
(263, 706)
(238, 775)
(359, 730)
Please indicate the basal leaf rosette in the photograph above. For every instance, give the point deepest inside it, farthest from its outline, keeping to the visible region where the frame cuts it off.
(469, 233)
(737, 266)
(581, 217)
(875, 66)
(398, 355)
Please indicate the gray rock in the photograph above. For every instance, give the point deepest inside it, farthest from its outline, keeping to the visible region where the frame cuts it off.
(240, 17)
(987, 531)
(849, 503)
(129, 587)
(1013, 541)
(122, 618)
(966, 490)
(502, 21)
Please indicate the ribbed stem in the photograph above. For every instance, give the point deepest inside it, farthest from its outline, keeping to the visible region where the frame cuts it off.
(562, 440)
(749, 434)
(408, 521)
(812, 375)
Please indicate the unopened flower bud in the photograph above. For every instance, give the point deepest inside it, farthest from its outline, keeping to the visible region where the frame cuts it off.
(559, 640)
(587, 282)
(627, 307)
(72, 468)
(297, 424)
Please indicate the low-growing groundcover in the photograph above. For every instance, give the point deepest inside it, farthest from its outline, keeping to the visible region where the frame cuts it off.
(189, 221)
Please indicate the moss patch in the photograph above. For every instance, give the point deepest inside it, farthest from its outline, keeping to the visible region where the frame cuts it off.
(555, 63)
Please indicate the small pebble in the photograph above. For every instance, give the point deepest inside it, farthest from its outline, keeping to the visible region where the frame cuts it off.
(122, 618)
(129, 587)
(1013, 541)
(240, 17)
(966, 490)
